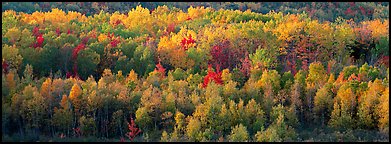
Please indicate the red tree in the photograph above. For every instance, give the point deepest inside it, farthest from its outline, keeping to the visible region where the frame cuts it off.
(159, 68)
(186, 42)
(133, 130)
(58, 32)
(5, 66)
(212, 76)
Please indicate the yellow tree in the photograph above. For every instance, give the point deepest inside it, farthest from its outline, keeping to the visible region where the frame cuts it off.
(367, 104)
(270, 84)
(384, 111)
(62, 118)
(75, 96)
(239, 134)
(343, 110)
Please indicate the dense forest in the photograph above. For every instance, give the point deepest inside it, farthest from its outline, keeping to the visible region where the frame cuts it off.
(264, 72)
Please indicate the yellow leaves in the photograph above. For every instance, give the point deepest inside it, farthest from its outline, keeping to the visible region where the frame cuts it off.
(226, 75)
(13, 34)
(11, 55)
(10, 78)
(378, 28)
(117, 17)
(384, 111)
(285, 30)
(57, 17)
(170, 49)
(197, 12)
(132, 77)
(76, 91)
(139, 17)
(9, 12)
(181, 17)
(347, 99)
(46, 88)
(102, 37)
(64, 102)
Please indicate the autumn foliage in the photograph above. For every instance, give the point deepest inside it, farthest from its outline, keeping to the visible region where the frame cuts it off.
(207, 72)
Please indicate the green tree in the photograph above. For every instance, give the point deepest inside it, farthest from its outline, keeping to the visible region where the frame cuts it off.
(343, 109)
(193, 129)
(323, 102)
(87, 62)
(279, 131)
(367, 104)
(239, 134)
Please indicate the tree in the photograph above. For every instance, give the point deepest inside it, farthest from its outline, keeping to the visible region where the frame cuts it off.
(367, 104)
(75, 96)
(264, 58)
(384, 112)
(255, 116)
(270, 84)
(165, 136)
(143, 119)
(323, 102)
(193, 129)
(33, 107)
(343, 109)
(315, 79)
(87, 62)
(239, 134)
(117, 123)
(11, 56)
(87, 126)
(279, 131)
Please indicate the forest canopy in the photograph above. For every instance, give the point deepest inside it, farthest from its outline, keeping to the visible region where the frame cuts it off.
(195, 71)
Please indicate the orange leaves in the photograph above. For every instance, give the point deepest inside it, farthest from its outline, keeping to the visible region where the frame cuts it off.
(377, 28)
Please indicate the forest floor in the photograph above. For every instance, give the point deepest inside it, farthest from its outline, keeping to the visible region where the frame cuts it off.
(309, 134)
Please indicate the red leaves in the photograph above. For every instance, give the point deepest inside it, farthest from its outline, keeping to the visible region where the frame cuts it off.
(246, 66)
(77, 131)
(39, 38)
(212, 76)
(114, 41)
(75, 53)
(159, 68)
(134, 131)
(352, 4)
(384, 60)
(349, 12)
(85, 40)
(170, 28)
(122, 139)
(76, 50)
(362, 10)
(117, 22)
(36, 32)
(68, 74)
(292, 66)
(354, 77)
(69, 31)
(39, 42)
(217, 56)
(5, 66)
(186, 42)
(62, 136)
(58, 32)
